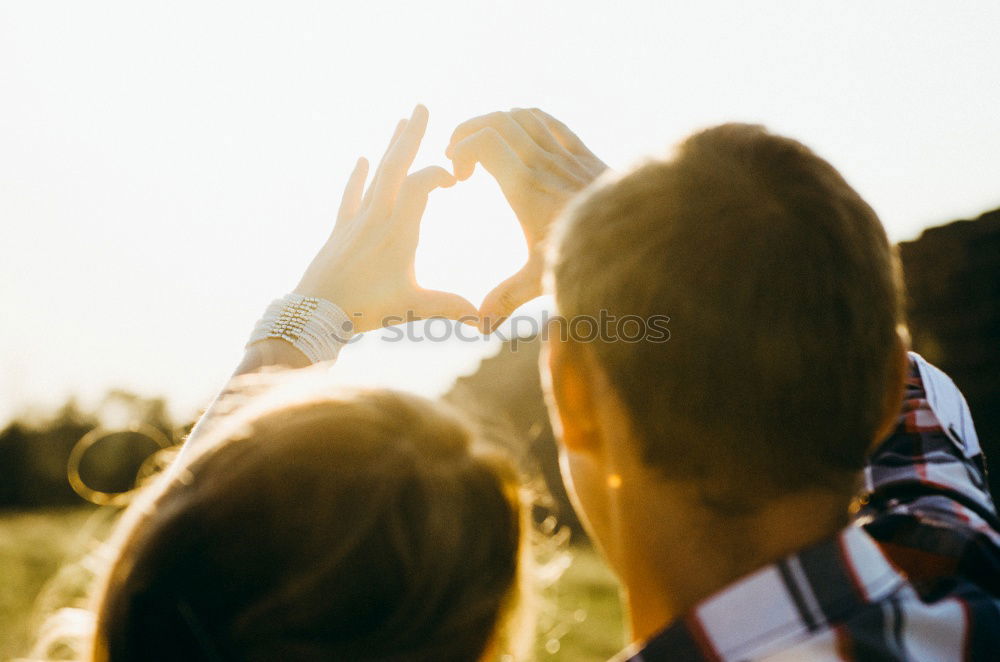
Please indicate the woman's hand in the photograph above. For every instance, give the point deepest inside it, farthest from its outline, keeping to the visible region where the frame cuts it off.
(540, 164)
(367, 265)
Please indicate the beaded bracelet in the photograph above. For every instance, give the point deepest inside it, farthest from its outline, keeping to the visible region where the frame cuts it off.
(314, 326)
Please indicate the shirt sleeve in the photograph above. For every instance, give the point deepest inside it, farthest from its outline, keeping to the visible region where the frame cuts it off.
(926, 497)
(934, 444)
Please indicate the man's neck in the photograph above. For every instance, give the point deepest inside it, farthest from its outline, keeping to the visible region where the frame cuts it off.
(673, 554)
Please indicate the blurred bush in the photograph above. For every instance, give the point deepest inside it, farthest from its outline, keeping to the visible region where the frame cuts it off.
(34, 453)
(953, 285)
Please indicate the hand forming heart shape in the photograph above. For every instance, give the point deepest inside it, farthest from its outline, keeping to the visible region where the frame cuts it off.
(367, 265)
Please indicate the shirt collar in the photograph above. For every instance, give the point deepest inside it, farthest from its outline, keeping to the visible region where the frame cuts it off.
(779, 605)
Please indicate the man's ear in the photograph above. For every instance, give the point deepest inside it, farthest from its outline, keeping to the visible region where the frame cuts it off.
(571, 388)
(892, 406)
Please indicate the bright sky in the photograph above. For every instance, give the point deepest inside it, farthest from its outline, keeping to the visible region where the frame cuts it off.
(167, 168)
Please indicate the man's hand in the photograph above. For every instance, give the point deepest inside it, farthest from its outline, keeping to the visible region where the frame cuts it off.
(540, 164)
(367, 265)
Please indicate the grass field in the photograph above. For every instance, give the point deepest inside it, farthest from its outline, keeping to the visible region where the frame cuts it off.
(580, 617)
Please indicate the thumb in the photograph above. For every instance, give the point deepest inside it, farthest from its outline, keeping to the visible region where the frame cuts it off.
(506, 297)
(436, 303)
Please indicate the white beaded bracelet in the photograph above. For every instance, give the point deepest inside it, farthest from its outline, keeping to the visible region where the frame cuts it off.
(314, 326)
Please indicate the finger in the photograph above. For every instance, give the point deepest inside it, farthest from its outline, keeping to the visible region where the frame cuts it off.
(503, 123)
(350, 204)
(436, 303)
(488, 147)
(509, 295)
(398, 160)
(414, 192)
(381, 164)
(563, 134)
(537, 130)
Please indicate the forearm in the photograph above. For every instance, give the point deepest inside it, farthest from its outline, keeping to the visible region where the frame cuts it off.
(270, 353)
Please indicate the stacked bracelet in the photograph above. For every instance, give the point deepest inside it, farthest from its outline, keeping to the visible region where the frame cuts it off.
(314, 326)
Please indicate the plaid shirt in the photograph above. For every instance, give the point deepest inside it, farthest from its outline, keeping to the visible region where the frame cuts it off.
(915, 577)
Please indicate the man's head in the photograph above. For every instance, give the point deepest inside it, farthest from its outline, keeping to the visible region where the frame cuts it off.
(782, 290)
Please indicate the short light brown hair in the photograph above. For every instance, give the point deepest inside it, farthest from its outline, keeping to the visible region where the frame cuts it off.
(783, 296)
(365, 526)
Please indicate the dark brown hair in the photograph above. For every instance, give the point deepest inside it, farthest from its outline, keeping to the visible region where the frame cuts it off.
(361, 527)
(784, 301)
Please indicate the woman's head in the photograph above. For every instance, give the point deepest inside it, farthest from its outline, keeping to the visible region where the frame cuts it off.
(364, 526)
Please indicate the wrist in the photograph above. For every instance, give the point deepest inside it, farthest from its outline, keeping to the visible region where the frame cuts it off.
(272, 352)
(313, 326)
